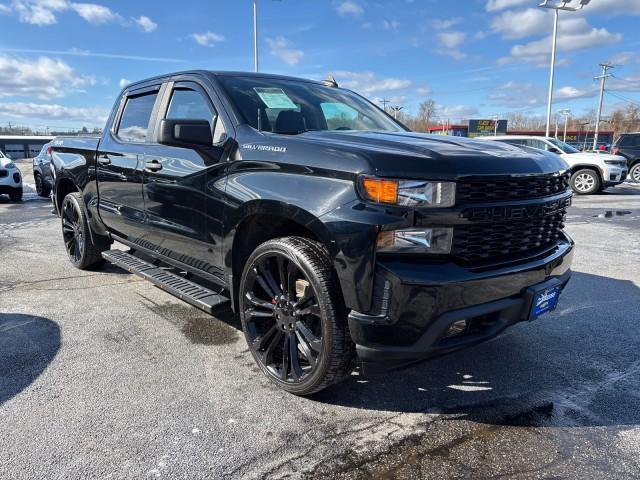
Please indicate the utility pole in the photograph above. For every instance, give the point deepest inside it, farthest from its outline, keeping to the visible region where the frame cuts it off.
(603, 79)
(384, 103)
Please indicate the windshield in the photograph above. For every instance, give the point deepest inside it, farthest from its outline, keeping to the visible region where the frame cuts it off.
(564, 147)
(290, 107)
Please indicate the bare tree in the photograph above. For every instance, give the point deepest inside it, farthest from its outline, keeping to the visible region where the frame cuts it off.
(426, 112)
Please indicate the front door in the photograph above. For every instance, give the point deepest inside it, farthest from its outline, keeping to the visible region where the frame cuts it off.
(119, 166)
(183, 187)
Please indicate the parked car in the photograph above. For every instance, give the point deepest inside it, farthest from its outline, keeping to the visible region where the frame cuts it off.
(332, 230)
(10, 179)
(42, 171)
(628, 146)
(591, 172)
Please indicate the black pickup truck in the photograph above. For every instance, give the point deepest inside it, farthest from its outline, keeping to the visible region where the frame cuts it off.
(335, 233)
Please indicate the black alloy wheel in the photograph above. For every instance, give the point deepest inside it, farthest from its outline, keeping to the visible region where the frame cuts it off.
(288, 313)
(72, 232)
(83, 250)
(39, 185)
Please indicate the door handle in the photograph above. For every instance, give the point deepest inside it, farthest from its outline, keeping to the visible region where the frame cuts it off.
(104, 160)
(152, 165)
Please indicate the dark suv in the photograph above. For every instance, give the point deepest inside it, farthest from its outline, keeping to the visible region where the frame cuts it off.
(628, 146)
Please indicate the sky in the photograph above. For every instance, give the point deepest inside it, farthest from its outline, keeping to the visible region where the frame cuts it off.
(62, 63)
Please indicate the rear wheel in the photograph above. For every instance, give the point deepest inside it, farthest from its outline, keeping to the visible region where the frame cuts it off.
(83, 252)
(634, 173)
(42, 189)
(585, 182)
(293, 316)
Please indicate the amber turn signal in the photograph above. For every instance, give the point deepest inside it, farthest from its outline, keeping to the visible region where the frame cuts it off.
(380, 190)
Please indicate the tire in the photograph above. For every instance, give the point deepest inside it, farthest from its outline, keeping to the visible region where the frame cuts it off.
(42, 189)
(308, 313)
(16, 196)
(81, 250)
(585, 182)
(634, 173)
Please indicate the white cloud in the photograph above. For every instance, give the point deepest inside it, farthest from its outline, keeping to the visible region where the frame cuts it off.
(496, 5)
(145, 23)
(518, 95)
(575, 39)
(368, 83)
(449, 43)
(456, 112)
(451, 39)
(93, 116)
(519, 24)
(423, 91)
(349, 8)
(281, 47)
(622, 58)
(44, 78)
(124, 82)
(444, 24)
(613, 7)
(94, 13)
(207, 39)
(391, 25)
(43, 12)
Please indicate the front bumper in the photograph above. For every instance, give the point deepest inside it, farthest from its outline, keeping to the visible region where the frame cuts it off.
(416, 304)
(614, 175)
(11, 182)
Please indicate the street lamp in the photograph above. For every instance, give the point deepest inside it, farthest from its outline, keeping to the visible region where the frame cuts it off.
(255, 35)
(396, 109)
(566, 113)
(563, 5)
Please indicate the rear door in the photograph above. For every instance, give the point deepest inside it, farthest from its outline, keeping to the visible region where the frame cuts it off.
(119, 164)
(183, 187)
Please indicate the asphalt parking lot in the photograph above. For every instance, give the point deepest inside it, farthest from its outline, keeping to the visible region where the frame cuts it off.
(103, 375)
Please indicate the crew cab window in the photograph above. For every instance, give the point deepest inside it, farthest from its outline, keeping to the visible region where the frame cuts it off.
(192, 105)
(134, 122)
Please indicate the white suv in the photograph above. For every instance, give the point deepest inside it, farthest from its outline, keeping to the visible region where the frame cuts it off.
(591, 172)
(10, 179)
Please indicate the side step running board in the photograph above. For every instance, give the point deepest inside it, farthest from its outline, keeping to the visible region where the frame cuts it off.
(184, 289)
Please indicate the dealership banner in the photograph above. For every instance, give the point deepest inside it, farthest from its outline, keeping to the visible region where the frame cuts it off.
(485, 128)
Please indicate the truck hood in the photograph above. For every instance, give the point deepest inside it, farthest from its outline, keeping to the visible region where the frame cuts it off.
(416, 155)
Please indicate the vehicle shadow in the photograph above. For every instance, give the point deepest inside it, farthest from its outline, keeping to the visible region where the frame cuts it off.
(576, 366)
(27, 345)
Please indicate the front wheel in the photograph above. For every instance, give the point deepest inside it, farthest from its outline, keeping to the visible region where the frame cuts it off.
(585, 182)
(16, 195)
(634, 173)
(293, 316)
(83, 252)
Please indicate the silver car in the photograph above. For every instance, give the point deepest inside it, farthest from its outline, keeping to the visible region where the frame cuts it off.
(10, 179)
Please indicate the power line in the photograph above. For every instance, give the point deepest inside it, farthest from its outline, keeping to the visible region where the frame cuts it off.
(622, 97)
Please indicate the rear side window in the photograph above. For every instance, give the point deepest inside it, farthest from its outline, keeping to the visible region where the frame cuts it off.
(134, 122)
(629, 141)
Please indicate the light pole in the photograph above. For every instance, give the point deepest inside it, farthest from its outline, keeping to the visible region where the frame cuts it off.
(495, 125)
(566, 113)
(396, 109)
(563, 5)
(255, 35)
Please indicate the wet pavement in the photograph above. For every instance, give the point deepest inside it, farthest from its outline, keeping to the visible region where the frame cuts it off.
(104, 375)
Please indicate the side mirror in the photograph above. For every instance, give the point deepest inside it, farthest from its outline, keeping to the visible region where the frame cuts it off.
(185, 133)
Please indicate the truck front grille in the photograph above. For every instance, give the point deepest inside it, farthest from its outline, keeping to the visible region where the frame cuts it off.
(506, 240)
(487, 190)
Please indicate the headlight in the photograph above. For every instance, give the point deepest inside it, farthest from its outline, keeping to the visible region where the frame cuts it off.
(617, 163)
(11, 166)
(409, 192)
(416, 240)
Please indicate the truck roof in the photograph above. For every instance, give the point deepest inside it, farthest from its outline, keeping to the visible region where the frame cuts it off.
(222, 73)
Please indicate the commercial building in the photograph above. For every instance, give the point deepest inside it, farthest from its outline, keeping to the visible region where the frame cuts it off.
(21, 146)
